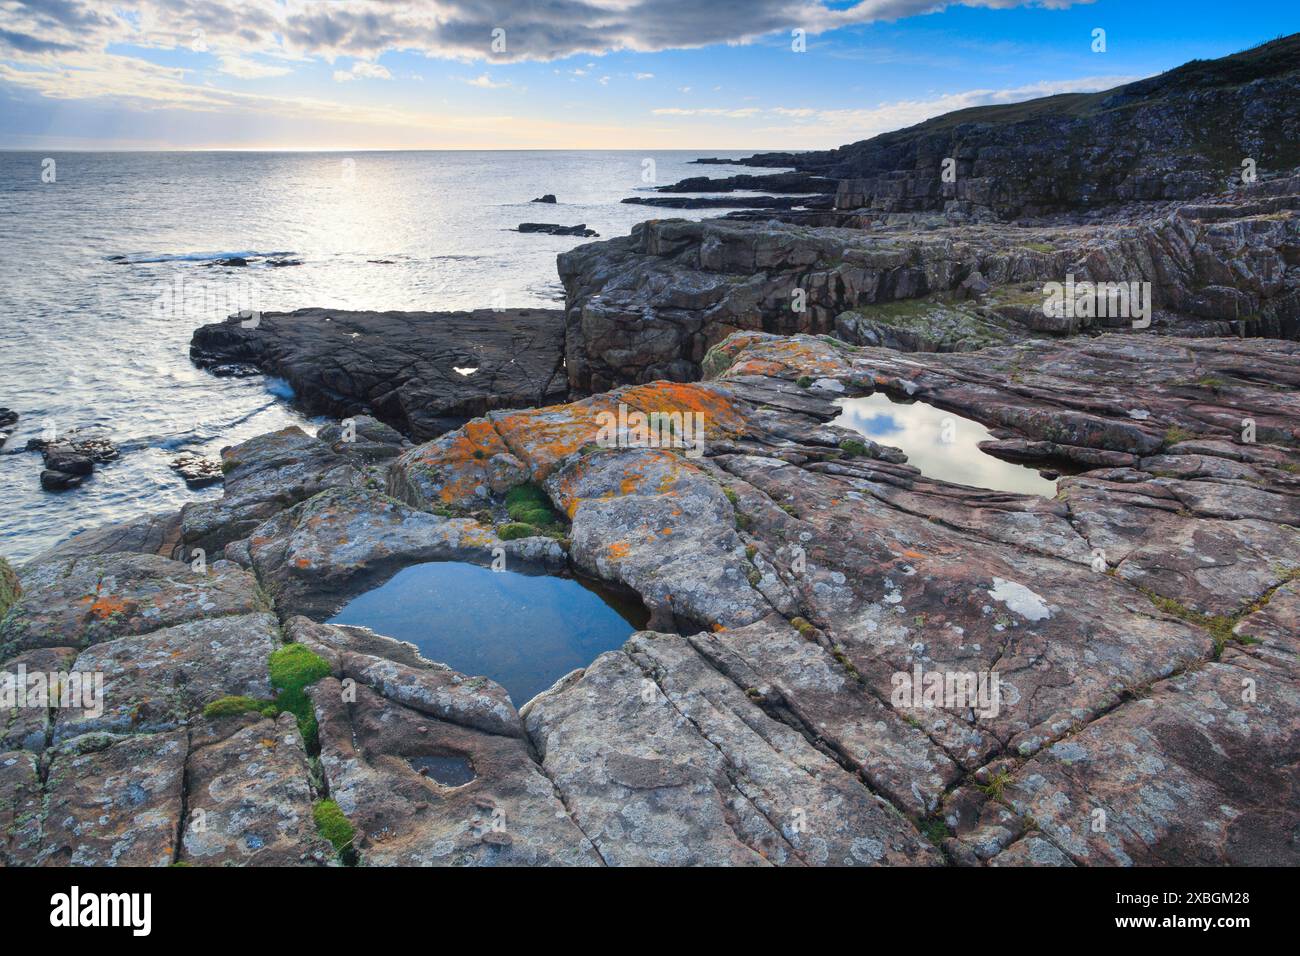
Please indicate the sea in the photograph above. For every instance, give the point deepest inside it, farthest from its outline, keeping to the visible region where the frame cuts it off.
(111, 260)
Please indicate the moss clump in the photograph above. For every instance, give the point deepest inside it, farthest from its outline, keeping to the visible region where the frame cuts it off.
(804, 381)
(229, 706)
(1174, 435)
(529, 504)
(333, 825)
(853, 448)
(518, 529)
(294, 668)
(731, 495)
(9, 587)
(806, 630)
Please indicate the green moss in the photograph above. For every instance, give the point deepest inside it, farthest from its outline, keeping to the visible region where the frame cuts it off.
(9, 586)
(1039, 246)
(294, 668)
(805, 629)
(517, 529)
(229, 706)
(804, 381)
(731, 495)
(853, 448)
(527, 504)
(333, 825)
(1174, 434)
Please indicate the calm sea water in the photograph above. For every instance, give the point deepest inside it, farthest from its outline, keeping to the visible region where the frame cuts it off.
(89, 341)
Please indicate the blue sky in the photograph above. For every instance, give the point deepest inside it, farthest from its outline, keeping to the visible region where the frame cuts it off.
(566, 73)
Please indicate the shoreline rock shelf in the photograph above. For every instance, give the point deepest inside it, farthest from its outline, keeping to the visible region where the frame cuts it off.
(793, 570)
(1117, 686)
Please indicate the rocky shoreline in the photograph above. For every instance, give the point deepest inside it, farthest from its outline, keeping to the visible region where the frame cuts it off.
(1141, 624)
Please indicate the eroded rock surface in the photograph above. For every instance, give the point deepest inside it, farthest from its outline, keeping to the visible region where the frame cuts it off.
(649, 305)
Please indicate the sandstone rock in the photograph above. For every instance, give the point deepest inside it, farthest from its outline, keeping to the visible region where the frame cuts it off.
(157, 533)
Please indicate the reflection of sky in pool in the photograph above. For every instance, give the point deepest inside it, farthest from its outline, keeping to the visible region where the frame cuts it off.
(523, 631)
(919, 430)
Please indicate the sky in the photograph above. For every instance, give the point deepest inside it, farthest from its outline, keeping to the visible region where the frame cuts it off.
(568, 74)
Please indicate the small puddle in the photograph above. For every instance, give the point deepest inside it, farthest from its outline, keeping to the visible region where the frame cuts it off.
(448, 771)
(941, 444)
(523, 631)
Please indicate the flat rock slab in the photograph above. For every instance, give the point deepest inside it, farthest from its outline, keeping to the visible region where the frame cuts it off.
(248, 802)
(400, 367)
(158, 681)
(114, 801)
(87, 600)
(662, 760)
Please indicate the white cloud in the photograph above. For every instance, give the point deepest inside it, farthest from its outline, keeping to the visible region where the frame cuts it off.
(361, 70)
(246, 69)
(645, 76)
(487, 83)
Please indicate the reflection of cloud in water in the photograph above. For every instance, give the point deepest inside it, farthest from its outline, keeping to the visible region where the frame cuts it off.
(919, 430)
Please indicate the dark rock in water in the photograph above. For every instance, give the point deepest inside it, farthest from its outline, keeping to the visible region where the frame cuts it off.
(823, 201)
(198, 472)
(774, 183)
(380, 262)
(52, 480)
(280, 263)
(400, 367)
(7, 417)
(232, 261)
(63, 458)
(76, 441)
(549, 197)
(552, 229)
(234, 370)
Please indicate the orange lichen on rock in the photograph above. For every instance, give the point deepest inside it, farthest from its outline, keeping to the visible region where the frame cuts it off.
(716, 408)
(106, 606)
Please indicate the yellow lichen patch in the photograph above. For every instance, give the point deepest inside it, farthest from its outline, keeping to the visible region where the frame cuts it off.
(303, 563)
(619, 549)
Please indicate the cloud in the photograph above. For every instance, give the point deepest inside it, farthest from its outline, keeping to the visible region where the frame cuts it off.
(246, 69)
(645, 76)
(487, 83)
(361, 70)
(455, 29)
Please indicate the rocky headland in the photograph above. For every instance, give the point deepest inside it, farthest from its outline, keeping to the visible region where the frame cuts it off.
(1142, 621)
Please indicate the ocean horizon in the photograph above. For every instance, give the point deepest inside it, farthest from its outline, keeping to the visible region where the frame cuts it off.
(114, 263)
